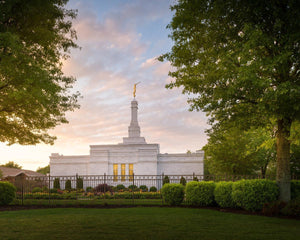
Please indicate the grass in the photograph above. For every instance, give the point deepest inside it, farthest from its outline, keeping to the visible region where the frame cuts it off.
(142, 223)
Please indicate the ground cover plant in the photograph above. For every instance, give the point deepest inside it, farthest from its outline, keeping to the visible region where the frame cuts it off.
(129, 223)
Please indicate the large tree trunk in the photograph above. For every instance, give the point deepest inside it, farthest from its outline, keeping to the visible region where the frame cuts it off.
(283, 176)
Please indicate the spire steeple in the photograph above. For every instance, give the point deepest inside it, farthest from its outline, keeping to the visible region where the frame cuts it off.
(134, 132)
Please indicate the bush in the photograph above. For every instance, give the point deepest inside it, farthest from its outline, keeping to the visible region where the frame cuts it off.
(153, 189)
(166, 180)
(222, 194)
(56, 183)
(89, 189)
(103, 188)
(173, 193)
(295, 189)
(45, 189)
(200, 193)
(120, 187)
(133, 188)
(253, 194)
(7, 193)
(182, 181)
(53, 190)
(68, 185)
(144, 188)
(195, 179)
(36, 190)
(79, 183)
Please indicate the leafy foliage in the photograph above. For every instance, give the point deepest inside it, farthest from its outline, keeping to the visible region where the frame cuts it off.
(68, 185)
(153, 189)
(11, 164)
(7, 193)
(35, 37)
(103, 188)
(173, 193)
(56, 183)
(295, 189)
(182, 181)
(200, 193)
(144, 188)
(222, 194)
(253, 194)
(166, 180)
(79, 183)
(44, 170)
(239, 60)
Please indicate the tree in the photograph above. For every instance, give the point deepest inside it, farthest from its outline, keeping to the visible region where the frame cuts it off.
(44, 170)
(35, 36)
(240, 60)
(232, 151)
(11, 164)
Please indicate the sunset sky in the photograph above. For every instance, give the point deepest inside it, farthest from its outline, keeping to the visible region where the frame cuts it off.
(120, 41)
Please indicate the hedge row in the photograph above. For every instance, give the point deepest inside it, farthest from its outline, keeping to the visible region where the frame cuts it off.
(7, 193)
(247, 194)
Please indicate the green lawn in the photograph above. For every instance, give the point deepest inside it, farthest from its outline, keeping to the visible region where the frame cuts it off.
(142, 223)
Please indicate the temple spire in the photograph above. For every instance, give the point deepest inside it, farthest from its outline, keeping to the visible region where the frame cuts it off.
(134, 132)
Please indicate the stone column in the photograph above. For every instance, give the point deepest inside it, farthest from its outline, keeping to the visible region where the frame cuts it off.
(134, 128)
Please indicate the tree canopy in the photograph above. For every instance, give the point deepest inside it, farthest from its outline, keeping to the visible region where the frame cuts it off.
(35, 37)
(11, 164)
(44, 170)
(240, 60)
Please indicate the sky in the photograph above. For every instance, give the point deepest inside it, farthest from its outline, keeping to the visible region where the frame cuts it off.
(120, 41)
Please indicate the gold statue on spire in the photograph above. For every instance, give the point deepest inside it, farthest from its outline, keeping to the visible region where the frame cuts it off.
(134, 88)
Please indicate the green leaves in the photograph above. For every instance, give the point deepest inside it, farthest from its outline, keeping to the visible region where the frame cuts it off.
(34, 93)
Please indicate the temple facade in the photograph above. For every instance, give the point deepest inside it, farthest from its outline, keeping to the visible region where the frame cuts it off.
(133, 156)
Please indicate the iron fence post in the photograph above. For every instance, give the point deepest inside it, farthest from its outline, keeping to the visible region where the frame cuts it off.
(49, 192)
(133, 188)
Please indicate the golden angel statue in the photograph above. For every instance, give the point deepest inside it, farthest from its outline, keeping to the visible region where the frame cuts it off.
(134, 88)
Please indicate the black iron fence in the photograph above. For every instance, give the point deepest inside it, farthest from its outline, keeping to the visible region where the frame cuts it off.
(105, 189)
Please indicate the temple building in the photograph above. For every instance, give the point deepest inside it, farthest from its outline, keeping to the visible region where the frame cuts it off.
(133, 156)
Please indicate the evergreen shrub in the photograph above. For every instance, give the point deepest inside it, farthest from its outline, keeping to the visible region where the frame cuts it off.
(182, 181)
(133, 188)
(89, 189)
(7, 193)
(253, 194)
(36, 190)
(295, 189)
(103, 188)
(153, 189)
(144, 188)
(68, 185)
(166, 180)
(200, 193)
(120, 187)
(79, 183)
(56, 183)
(195, 179)
(222, 194)
(173, 193)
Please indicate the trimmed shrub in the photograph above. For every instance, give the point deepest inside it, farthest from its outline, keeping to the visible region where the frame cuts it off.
(79, 183)
(195, 179)
(53, 190)
(253, 194)
(153, 189)
(200, 193)
(68, 185)
(45, 189)
(133, 188)
(182, 181)
(120, 187)
(173, 193)
(295, 189)
(89, 189)
(36, 190)
(222, 194)
(103, 188)
(144, 188)
(56, 183)
(166, 180)
(7, 193)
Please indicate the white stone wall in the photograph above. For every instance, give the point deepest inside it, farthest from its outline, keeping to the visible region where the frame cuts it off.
(181, 164)
(68, 165)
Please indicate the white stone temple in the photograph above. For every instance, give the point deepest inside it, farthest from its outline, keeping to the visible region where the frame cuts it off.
(133, 156)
